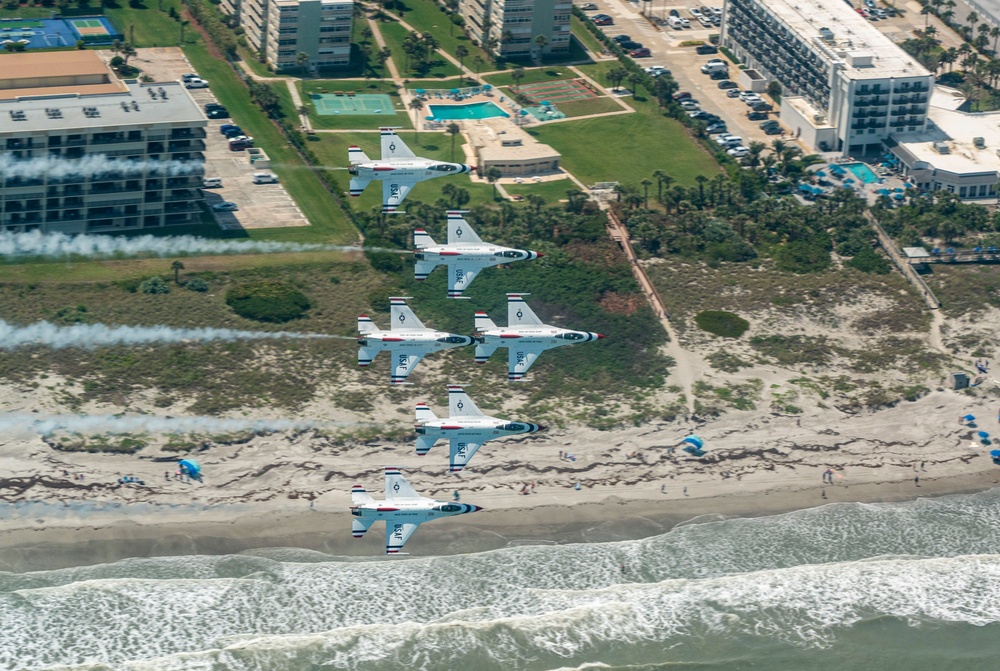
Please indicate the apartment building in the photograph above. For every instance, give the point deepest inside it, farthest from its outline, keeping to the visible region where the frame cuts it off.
(846, 86)
(81, 151)
(283, 29)
(514, 26)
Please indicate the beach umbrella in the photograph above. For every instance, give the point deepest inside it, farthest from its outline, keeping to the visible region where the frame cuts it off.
(883, 192)
(907, 185)
(983, 434)
(455, 91)
(899, 189)
(523, 112)
(487, 87)
(898, 196)
(420, 92)
(969, 418)
(191, 467)
(429, 118)
(546, 103)
(995, 454)
(805, 187)
(820, 173)
(849, 180)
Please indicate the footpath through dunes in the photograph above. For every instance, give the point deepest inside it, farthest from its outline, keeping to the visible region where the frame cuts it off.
(773, 590)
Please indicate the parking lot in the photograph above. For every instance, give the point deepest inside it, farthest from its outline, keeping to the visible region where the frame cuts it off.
(260, 205)
(685, 64)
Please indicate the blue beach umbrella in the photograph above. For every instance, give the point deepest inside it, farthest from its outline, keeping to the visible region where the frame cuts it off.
(429, 118)
(420, 92)
(899, 189)
(820, 173)
(487, 87)
(883, 192)
(805, 187)
(455, 91)
(191, 467)
(546, 103)
(995, 454)
(983, 434)
(898, 196)
(969, 418)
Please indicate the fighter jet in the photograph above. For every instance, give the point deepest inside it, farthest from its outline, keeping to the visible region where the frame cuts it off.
(408, 340)
(398, 170)
(403, 510)
(525, 336)
(466, 427)
(465, 254)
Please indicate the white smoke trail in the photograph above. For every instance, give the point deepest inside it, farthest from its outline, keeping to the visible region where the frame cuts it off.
(100, 424)
(88, 336)
(38, 244)
(93, 165)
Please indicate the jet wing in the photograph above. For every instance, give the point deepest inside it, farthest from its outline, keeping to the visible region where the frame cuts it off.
(403, 365)
(462, 451)
(393, 193)
(519, 361)
(393, 146)
(396, 535)
(460, 276)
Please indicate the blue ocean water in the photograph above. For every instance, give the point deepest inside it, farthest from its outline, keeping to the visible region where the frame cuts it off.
(910, 586)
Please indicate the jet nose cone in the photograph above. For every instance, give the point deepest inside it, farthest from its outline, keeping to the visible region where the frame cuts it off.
(475, 509)
(599, 336)
(539, 427)
(539, 255)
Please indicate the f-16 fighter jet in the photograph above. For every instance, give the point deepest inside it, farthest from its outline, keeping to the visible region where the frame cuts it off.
(407, 341)
(465, 254)
(466, 427)
(398, 170)
(403, 510)
(525, 336)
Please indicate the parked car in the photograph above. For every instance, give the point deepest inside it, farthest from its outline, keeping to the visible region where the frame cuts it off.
(880, 13)
(588, 6)
(705, 21)
(197, 84)
(718, 75)
(689, 104)
(752, 100)
(641, 52)
(717, 127)
(674, 12)
(707, 49)
(773, 130)
(770, 123)
(727, 84)
(226, 127)
(676, 22)
(603, 20)
(225, 206)
(695, 12)
(756, 116)
(656, 70)
(242, 138)
(729, 139)
(870, 4)
(682, 95)
(235, 131)
(685, 23)
(762, 107)
(239, 146)
(738, 151)
(208, 107)
(265, 178)
(211, 182)
(716, 11)
(714, 65)
(218, 114)
(188, 76)
(733, 93)
(621, 38)
(630, 45)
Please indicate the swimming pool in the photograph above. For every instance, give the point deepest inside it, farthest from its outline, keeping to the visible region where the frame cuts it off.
(483, 110)
(862, 172)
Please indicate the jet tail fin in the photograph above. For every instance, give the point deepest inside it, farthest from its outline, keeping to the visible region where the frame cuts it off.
(366, 325)
(421, 269)
(424, 413)
(366, 355)
(424, 444)
(484, 352)
(422, 239)
(360, 497)
(358, 186)
(359, 527)
(483, 322)
(355, 155)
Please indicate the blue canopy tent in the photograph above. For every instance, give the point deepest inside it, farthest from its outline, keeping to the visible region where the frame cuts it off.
(820, 173)
(848, 181)
(191, 467)
(883, 192)
(837, 170)
(695, 445)
(898, 196)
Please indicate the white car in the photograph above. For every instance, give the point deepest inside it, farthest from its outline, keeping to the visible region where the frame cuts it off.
(685, 23)
(225, 206)
(197, 84)
(241, 138)
(705, 21)
(716, 10)
(695, 12)
(656, 70)
(753, 101)
(738, 152)
(727, 139)
(689, 105)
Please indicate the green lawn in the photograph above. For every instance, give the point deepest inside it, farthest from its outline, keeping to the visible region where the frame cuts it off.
(353, 121)
(332, 149)
(552, 192)
(394, 34)
(531, 76)
(585, 107)
(150, 26)
(581, 33)
(426, 16)
(632, 147)
(329, 223)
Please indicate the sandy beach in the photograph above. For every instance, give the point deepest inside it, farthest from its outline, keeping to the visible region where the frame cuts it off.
(291, 489)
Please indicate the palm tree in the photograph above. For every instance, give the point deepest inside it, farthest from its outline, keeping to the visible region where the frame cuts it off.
(615, 76)
(701, 179)
(995, 34)
(756, 149)
(517, 75)
(659, 175)
(461, 51)
(778, 146)
(478, 60)
(302, 58)
(453, 130)
(634, 79)
(127, 51)
(972, 18)
(540, 42)
(177, 267)
(536, 201)
(646, 183)
(492, 175)
(416, 105)
(382, 57)
(972, 93)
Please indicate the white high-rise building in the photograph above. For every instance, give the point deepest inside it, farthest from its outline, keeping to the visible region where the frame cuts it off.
(515, 25)
(846, 86)
(283, 29)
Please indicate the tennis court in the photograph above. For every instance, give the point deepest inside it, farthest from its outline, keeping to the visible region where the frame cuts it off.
(560, 91)
(328, 104)
(42, 33)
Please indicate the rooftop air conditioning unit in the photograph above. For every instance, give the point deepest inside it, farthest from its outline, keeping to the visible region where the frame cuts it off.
(942, 148)
(979, 142)
(819, 118)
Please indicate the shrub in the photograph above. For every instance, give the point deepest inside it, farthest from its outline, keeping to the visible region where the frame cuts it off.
(800, 256)
(722, 324)
(267, 301)
(867, 260)
(196, 284)
(154, 285)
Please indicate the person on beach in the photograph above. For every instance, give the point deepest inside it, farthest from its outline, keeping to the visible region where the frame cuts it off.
(455, 495)
(916, 480)
(685, 491)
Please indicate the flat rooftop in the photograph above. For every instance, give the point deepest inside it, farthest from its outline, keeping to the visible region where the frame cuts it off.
(806, 111)
(956, 130)
(495, 141)
(854, 38)
(167, 102)
(54, 73)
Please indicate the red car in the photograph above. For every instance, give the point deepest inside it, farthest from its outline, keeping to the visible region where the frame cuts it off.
(683, 95)
(642, 52)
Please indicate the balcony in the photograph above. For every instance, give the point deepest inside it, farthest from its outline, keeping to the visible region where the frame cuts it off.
(186, 145)
(187, 134)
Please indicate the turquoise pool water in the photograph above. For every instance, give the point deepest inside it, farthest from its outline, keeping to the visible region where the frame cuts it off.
(862, 172)
(483, 110)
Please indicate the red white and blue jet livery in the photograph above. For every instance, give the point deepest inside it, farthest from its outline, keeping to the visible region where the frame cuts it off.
(402, 511)
(398, 170)
(407, 340)
(466, 427)
(525, 336)
(465, 254)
